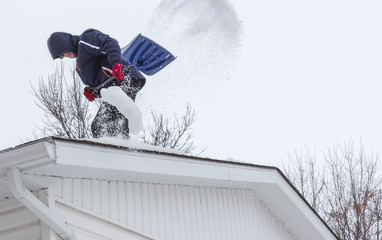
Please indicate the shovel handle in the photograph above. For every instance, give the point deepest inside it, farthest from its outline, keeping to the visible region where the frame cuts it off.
(102, 85)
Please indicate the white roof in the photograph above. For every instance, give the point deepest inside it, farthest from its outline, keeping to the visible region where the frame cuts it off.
(94, 160)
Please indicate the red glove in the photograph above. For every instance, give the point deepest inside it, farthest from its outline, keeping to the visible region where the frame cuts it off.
(117, 71)
(90, 95)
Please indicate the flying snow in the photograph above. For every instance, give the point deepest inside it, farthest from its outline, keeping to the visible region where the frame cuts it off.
(205, 36)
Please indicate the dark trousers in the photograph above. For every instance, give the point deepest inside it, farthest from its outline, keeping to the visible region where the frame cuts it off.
(109, 122)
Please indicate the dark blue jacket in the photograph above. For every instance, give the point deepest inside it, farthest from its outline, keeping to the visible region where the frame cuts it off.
(96, 53)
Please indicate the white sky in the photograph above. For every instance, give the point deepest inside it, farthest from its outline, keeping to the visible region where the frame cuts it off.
(309, 72)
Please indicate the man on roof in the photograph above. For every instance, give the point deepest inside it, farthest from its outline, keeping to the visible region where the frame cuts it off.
(98, 57)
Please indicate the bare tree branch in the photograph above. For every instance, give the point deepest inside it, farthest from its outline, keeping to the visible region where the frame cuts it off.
(173, 133)
(349, 198)
(66, 111)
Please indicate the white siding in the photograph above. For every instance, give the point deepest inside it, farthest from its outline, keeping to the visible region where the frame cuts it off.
(17, 222)
(174, 211)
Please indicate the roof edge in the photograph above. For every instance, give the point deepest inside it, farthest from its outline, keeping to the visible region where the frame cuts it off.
(282, 175)
(44, 153)
(138, 150)
(28, 155)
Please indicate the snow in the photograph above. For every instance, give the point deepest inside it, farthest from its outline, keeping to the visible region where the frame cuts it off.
(206, 38)
(133, 142)
(115, 96)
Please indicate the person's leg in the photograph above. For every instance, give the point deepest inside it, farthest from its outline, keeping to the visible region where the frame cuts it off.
(109, 122)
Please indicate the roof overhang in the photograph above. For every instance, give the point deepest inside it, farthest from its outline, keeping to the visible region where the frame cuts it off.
(85, 159)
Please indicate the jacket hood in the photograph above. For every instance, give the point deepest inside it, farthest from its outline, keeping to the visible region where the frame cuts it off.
(60, 42)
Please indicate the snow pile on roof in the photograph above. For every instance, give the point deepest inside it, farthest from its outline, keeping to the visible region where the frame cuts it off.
(134, 143)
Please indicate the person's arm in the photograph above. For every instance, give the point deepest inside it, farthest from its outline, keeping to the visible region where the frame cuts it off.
(97, 43)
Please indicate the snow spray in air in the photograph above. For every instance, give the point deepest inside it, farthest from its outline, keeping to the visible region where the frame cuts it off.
(205, 35)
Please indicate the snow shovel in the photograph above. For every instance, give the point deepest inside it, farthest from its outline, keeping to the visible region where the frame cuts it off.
(146, 55)
(143, 53)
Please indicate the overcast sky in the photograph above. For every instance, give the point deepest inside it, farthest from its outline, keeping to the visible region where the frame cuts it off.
(266, 77)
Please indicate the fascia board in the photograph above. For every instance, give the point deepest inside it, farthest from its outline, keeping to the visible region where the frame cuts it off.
(27, 156)
(115, 159)
(297, 203)
(82, 155)
(272, 176)
(251, 174)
